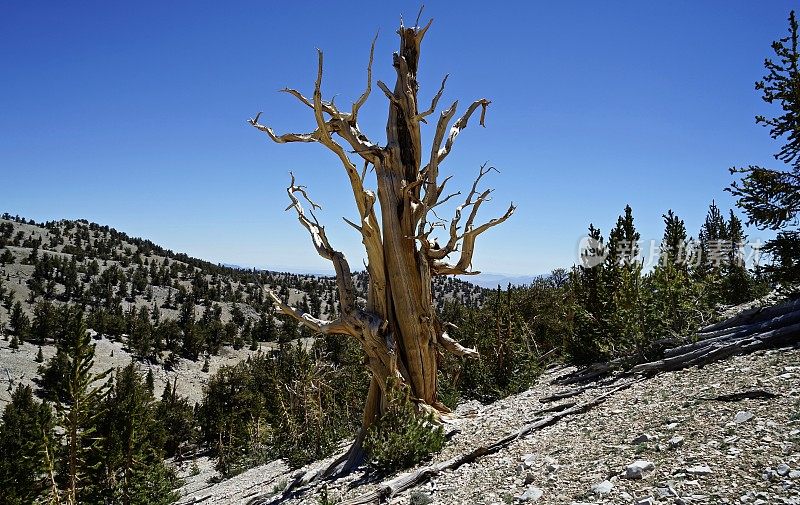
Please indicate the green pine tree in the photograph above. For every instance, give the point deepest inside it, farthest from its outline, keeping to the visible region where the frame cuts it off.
(130, 468)
(150, 381)
(623, 284)
(26, 436)
(7, 258)
(586, 343)
(737, 282)
(19, 322)
(177, 420)
(771, 197)
(78, 404)
(673, 301)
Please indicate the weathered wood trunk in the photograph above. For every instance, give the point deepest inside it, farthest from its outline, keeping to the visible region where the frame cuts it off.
(411, 317)
(398, 329)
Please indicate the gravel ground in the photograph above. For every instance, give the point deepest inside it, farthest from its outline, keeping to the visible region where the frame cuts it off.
(701, 450)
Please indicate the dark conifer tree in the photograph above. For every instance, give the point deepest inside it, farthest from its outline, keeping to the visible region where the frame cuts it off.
(130, 468)
(674, 245)
(19, 322)
(7, 258)
(177, 420)
(737, 283)
(79, 395)
(43, 328)
(26, 435)
(771, 197)
(672, 301)
(624, 324)
(713, 240)
(585, 344)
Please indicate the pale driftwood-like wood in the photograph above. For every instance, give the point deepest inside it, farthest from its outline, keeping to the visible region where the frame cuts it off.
(718, 350)
(398, 329)
(748, 331)
(751, 315)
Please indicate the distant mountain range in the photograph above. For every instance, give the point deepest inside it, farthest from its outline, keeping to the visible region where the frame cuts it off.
(492, 280)
(484, 279)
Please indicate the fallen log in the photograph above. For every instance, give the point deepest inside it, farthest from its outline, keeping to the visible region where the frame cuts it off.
(560, 395)
(737, 332)
(751, 314)
(718, 350)
(590, 373)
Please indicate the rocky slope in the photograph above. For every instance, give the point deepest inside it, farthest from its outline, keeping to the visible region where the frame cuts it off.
(658, 440)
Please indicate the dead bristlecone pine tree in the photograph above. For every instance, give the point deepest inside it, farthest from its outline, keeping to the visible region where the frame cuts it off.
(398, 328)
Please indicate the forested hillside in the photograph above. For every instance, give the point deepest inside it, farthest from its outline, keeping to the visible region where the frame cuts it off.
(172, 315)
(164, 305)
(131, 370)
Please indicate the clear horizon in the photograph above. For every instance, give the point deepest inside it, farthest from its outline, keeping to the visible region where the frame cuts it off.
(134, 117)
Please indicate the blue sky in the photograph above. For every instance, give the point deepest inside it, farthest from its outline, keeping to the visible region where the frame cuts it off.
(133, 115)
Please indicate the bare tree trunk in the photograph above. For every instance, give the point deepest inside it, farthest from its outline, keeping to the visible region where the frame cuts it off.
(398, 329)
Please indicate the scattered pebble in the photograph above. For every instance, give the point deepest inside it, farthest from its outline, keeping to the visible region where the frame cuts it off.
(637, 469)
(603, 488)
(531, 494)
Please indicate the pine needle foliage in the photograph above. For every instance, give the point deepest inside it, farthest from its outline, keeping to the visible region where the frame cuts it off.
(402, 437)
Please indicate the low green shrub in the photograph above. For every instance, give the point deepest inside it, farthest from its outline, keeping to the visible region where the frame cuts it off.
(402, 437)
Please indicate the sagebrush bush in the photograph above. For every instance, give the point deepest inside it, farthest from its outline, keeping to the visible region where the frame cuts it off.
(402, 437)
